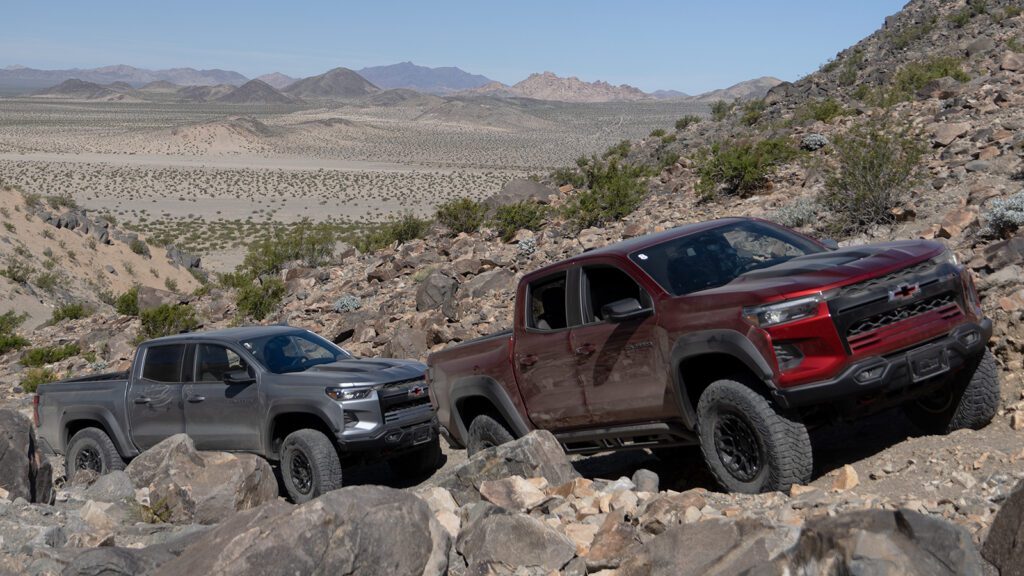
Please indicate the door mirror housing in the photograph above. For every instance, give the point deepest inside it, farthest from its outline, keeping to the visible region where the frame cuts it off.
(829, 243)
(238, 377)
(625, 309)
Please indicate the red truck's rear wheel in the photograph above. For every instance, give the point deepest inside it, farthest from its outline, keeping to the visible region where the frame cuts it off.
(748, 445)
(969, 401)
(486, 432)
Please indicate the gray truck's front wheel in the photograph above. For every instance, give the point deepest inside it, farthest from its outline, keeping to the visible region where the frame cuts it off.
(747, 444)
(91, 449)
(310, 466)
(419, 462)
(486, 432)
(969, 400)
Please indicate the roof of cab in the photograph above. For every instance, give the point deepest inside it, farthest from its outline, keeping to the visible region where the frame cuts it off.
(227, 334)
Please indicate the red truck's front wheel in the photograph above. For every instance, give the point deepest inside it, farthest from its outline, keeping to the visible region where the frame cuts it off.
(748, 445)
(968, 401)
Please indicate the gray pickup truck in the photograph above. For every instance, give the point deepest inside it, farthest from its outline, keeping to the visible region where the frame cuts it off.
(283, 393)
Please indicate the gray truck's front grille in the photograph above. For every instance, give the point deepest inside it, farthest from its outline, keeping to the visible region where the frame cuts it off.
(403, 410)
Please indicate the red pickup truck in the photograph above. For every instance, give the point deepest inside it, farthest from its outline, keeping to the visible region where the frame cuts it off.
(738, 335)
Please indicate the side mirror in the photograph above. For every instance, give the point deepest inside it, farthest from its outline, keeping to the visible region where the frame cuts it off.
(829, 243)
(625, 309)
(238, 377)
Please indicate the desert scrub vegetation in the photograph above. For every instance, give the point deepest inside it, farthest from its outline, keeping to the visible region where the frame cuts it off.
(524, 215)
(167, 319)
(796, 214)
(914, 76)
(687, 121)
(70, 311)
(720, 110)
(34, 377)
(821, 111)
(740, 168)
(876, 168)
(402, 229)
(139, 246)
(752, 111)
(1005, 216)
(961, 17)
(36, 357)
(907, 35)
(260, 298)
(461, 215)
(127, 304)
(614, 191)
(17, 270)
(10, 321)
(562, 176)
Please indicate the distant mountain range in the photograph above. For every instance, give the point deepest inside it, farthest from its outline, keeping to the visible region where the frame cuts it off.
(120, 82)
(444, 80)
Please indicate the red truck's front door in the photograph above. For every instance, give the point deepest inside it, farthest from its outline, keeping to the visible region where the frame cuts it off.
(620, 365)
(543, 360)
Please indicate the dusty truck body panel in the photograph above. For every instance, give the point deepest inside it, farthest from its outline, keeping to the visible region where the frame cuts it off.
(616, 347)
(245, 390)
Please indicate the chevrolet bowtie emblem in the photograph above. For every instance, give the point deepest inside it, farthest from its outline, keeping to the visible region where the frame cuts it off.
(903, 291)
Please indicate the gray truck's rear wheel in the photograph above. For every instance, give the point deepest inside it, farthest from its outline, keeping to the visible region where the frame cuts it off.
(92, 449)
(419, 462)
(486, 432)
(748, 445)
(969, 400)
(310, 466)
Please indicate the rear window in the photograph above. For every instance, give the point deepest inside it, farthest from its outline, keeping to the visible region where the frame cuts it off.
(163, 363)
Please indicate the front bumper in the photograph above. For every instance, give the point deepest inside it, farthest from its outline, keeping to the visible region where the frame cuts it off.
(900, 374)
(411, 432)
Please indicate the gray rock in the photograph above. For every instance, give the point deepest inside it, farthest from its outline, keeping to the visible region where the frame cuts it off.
(149, 297)
(513, 540)
(978, 166)
(25, 471)
(646, 480)
(1004, 253)
(983, 44)
(201, 487)
(1004, 546)
(437, 292)
(489, 281)
(113, 487)
(356, 530)
(537, 454)
(519, 190)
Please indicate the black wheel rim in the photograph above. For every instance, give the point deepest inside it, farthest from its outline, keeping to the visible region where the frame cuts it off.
(301, 473)
(89, 459)
(738, 447)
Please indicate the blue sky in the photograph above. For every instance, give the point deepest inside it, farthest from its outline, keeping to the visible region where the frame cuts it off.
(682, 45)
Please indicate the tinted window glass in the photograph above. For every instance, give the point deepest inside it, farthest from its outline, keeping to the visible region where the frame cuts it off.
(718, 256)
(605, 285)
(213, 361)
(163, 363)
(294, 352)
(546, 310)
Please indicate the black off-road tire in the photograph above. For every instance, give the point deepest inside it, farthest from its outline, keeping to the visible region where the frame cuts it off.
(92, 449)
(747, 444)
(969, 401)
(419, 462)
(486, 432)
(310, 466)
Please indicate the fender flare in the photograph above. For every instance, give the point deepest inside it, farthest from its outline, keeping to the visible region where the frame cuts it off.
(107, 422)
(729, 342)
(491, 390)
(298, 407)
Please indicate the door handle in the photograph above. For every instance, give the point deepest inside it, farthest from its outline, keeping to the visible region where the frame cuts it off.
(143, 400)
(586, 350)
(196, 399)
(528, 360)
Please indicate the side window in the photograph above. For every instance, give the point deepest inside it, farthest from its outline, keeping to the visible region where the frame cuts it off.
(604, 285)
(164, 363)
(546, 306)
(213, 361)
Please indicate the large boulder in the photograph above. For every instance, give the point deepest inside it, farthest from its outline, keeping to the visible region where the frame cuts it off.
(149, 297)
(25, 471)
(1004, 547)
(519, 190)
(488, 282)
(536, 455)
(497, 538)
(356, 530)
(201, 487)
(437, 292)
(880, 542)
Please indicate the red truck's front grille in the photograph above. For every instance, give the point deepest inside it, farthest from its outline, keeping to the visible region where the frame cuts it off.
(887, 280)
(869, 331)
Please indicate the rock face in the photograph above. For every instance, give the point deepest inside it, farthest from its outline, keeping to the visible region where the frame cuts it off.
(502, 539)
(1004, 547)
(536, 455)
(201, 487)
(24, 471)
(357, 530)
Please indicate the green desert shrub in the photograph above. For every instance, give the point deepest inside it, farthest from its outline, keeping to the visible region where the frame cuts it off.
(524, 215)
(563, 176)
(796, 214)
(915, 75)
(1005, 216)
(258, 299)
(311, 244)
(402, 229)
(462, 215)
(615, 191)
(687, 121)
(821, 110)
(720, 109)
(127, 304)
(9, 339)
(17, 270)
(740, 168)
(876, 169)
(620, 150)
(70, 311)
(139, 246)
(36, 357)
(168, 319)
(752, 112)
(34, 377)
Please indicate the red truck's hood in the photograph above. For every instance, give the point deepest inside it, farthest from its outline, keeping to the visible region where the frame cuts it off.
(828, 269)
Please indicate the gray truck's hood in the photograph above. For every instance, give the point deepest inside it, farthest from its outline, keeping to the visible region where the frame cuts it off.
(362, 371)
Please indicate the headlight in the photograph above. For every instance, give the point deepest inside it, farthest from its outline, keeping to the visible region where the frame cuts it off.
(947, 257)
(346, 394)
(783, 312)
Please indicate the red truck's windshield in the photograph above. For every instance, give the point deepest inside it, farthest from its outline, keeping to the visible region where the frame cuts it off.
(718, 256)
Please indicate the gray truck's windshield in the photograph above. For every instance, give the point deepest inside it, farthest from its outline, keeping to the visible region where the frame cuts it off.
(294, 352)
(715, 257)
